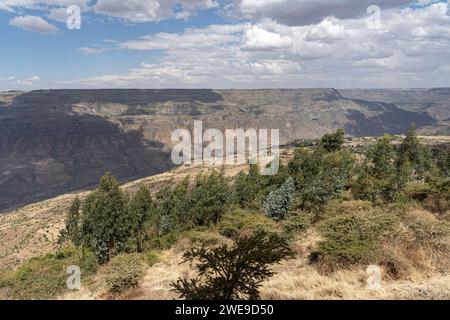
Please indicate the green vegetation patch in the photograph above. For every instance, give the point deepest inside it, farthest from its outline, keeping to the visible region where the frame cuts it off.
(353, 239)
(45, 277)
(239, 221)
(124, 272)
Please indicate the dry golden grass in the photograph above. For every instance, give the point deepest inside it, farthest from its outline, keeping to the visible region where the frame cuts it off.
(33, 230)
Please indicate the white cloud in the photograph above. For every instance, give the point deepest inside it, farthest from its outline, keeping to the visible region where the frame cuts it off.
(139, 11)
(411, 50)
(28, 81)
(91, 50)
(34, 24)
(304, 12)
(257, 38)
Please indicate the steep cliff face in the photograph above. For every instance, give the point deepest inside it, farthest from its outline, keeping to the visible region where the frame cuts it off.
(434, 101)
(54, 141)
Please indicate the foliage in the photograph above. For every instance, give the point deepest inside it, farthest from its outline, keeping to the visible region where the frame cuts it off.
(278, 202)
(297, 222)
(443, 162)
(320, 176)
(152, 257)
(209, 199)
(228, 273)
(378, 176)
(174, 206)
(412, 151)
(106, 225)
(332, 142)
(143, 213)
(247, 187)
(45, 277)
(124, 272)
(237, 222)
(72, 224)
(354, 238)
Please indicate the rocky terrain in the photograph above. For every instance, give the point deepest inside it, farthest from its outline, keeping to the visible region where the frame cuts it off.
(435, 102)
(55, 141)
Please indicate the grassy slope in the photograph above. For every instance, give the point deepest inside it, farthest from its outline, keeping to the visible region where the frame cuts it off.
(32, 231)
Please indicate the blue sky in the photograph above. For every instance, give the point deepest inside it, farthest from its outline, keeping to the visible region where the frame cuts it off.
(224, 44)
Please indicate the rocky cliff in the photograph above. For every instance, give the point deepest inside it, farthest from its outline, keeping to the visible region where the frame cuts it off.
(54, 141)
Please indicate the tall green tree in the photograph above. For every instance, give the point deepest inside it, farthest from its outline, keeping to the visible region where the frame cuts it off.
(174, 205)
(143, 212)
(320, 176)
(209, 198)
(247, 187)
(378, 176)
(106, 224)
(71, 230)
(412, 151)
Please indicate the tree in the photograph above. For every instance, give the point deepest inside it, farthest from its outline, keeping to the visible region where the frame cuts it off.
(229, 273)
(320, 176)
(174, 207)
(209, 198)
(332, 141)
(247, 187)
(143, 211)
(443, 162)
(279, 201)
(378, 177)
(412, 151)
(106, 225)
(72, 224)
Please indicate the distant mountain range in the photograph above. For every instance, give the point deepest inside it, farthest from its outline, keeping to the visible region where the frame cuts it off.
(54, 141)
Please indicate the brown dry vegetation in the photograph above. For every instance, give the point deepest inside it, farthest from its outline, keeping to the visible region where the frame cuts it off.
(414, 263)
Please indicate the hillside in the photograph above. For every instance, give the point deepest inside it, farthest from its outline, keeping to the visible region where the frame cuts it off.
(55, 141)
(32, 231)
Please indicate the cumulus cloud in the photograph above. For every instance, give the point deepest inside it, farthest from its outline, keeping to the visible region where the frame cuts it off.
(139, 11)
(410, 49)
(12, 5)
(34, 24)
(257, 38)
(304, 12)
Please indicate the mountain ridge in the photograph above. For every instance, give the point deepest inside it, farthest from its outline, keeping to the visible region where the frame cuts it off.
(55, 141)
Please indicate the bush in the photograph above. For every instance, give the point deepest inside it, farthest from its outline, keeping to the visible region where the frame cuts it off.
(278, 202)
(205, 237)
(297, 222)
(229, 273)
(353, 239)
(124, 272)
(320, 176)
(151, 258)
(332, 141)
(238, 221)
(45, 277)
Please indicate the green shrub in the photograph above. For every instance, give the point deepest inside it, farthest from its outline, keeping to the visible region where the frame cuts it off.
(151, 258)
(277, 203)
(233, 272)
(124, 272)
(45, 277)
(297, 222)
(320, 176)
(239, 221)
(165, 241)
(205, 237)
(354, 239)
